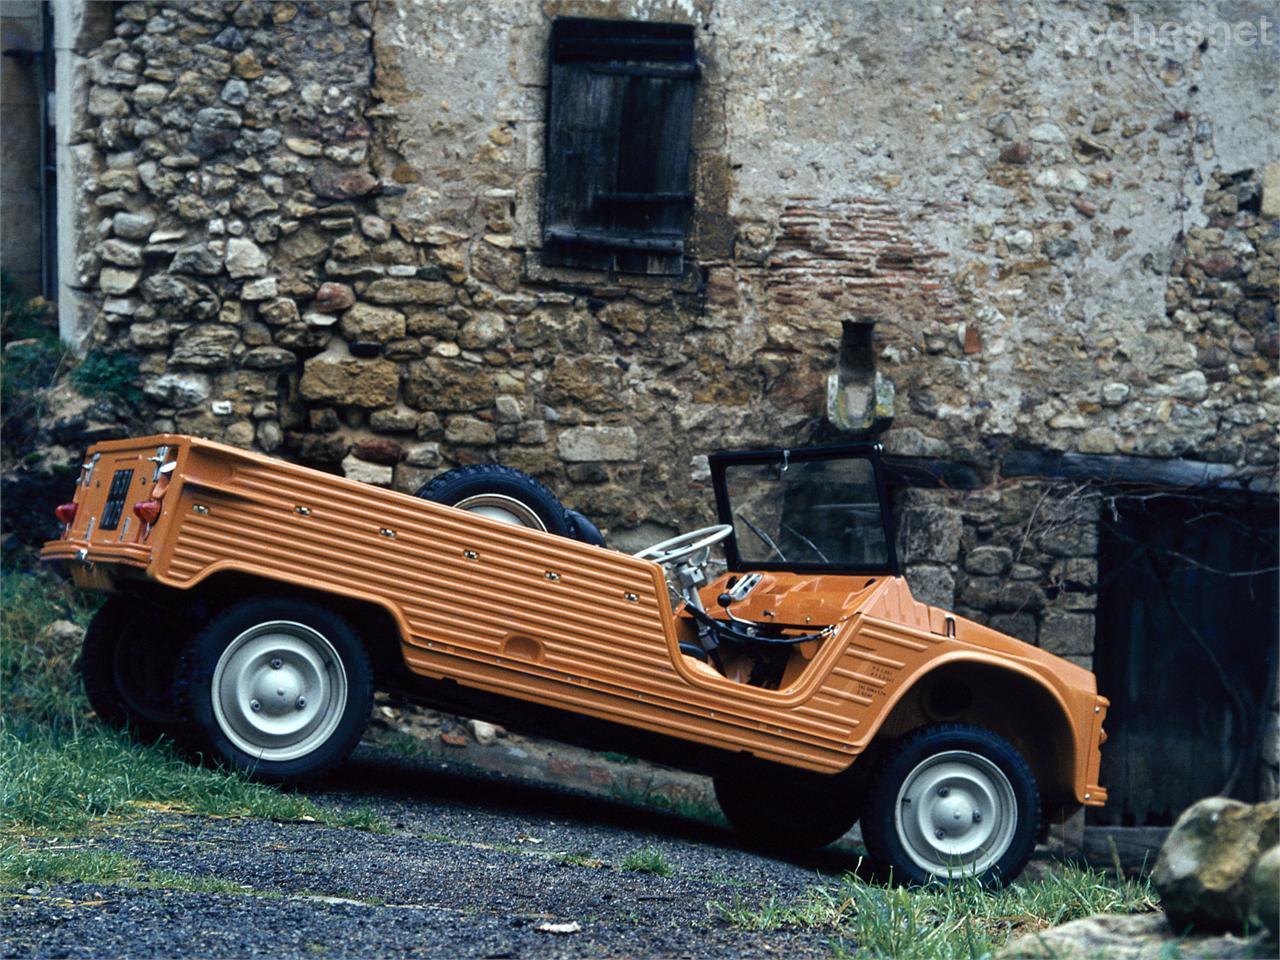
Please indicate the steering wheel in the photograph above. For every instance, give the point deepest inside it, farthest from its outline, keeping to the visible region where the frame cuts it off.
(685, 545)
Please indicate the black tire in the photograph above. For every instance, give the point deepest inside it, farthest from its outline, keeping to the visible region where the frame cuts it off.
(455, 487)
(789, 811)
(580, 528)
(127, 666)
(923, 753)
(251, 640)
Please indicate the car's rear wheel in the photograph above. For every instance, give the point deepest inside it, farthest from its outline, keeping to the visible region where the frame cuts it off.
(280, 688)
(127, 664)
(952, 801)
(786, 810)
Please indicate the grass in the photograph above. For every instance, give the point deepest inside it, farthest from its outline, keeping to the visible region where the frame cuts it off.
(39, 678)
(647, 860)
(61, 773)
(22, 867)
(62, 784)
(942, 922)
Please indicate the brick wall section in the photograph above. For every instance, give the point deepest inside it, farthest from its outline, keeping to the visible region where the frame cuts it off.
(858, 256)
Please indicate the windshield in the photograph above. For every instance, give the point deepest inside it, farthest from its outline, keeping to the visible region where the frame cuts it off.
(803, 511)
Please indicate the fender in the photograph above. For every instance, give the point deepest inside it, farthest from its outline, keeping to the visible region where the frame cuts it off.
(248, 569)
(980, 658)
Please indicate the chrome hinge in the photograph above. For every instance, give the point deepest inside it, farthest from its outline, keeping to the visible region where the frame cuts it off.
(87, 468)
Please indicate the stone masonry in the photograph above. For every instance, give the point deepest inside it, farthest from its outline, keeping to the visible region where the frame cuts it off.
(317, 227)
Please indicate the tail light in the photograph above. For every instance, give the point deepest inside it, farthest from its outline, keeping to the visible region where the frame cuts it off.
(66, 513)
(148, 511)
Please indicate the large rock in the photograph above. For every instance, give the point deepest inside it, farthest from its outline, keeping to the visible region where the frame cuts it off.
(335, 183)
(214, 129)
(346, 381)
(180, 298)
(208, 346)
(1204, 869)
(198, 259)
(333, 297)
(133, 226)
(245, 258)
(115, 282)
(1271, 191)
(469, 431)
(378, 324)
(438, 384)
(353, 468)
(929, 532)
(394, 290)
(179, 389)
(1143, 936)
(932, 584)
(595, 444)
(1067, 634)
(60, 636)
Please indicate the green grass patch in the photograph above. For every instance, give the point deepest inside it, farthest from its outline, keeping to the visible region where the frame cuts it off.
(39, 677)
(63, 783)
(647, 860)
(939, 922)
(22, 867)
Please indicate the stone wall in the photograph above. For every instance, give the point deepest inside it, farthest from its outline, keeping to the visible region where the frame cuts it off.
(317, 227)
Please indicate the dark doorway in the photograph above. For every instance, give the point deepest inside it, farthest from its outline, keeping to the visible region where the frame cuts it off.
(1186, 652)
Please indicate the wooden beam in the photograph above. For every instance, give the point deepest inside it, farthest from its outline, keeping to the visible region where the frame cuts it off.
(1182, 474)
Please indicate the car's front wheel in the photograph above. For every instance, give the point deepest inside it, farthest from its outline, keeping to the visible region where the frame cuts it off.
(951, 801)
(280, 688)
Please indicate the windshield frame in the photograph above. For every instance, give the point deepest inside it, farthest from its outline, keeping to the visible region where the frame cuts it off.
(869, 452)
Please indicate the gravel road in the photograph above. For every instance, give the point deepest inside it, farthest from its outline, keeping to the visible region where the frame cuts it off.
(473, 865)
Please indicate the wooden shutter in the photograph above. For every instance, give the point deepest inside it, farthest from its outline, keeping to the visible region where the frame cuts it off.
(620, 112)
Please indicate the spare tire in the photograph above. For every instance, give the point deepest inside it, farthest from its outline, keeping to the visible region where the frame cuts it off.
(500, 493)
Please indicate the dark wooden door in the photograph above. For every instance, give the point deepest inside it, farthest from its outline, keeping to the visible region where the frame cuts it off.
(1186, 652)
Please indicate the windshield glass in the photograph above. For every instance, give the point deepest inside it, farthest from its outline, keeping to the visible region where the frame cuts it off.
(823, 512)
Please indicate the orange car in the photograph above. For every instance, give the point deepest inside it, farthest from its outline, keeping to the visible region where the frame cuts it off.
(256, 604)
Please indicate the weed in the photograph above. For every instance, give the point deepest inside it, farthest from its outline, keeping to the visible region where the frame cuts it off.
(113, 375)
(647, 860)
(944, 921)
(580, 858)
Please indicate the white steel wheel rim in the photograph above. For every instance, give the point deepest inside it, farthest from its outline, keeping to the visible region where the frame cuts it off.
(279, 690)
(497, 506)
(956, 814)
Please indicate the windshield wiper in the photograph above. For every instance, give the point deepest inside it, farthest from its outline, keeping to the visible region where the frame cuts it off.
(763, 536)
(812, 546)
